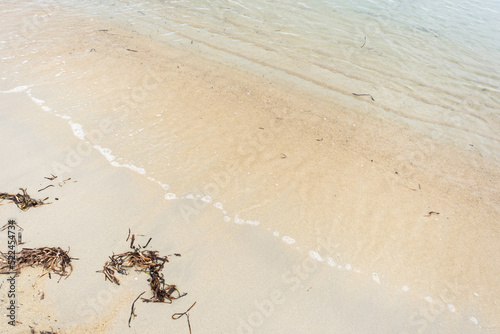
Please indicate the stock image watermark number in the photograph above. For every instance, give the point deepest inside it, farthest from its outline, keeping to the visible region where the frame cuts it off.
(11, 261)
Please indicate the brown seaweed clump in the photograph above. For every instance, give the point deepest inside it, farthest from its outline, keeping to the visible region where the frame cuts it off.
(23, 200)
(146, 261)
(54, 260)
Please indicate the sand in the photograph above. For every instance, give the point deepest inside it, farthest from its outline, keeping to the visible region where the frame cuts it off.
(327, 196)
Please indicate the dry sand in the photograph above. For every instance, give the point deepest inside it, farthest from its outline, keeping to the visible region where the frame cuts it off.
(350, 184)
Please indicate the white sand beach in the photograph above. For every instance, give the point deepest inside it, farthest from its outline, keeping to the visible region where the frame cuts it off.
(295, 209)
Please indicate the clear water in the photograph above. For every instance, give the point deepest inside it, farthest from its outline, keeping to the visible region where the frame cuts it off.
(431, 63)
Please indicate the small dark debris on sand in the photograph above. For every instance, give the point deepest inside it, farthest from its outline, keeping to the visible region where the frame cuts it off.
(23, 200)
(34, 331)
(431, 213)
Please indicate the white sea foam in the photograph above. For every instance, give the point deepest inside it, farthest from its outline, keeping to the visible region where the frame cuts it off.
(77, 130)
(170, 196)
(34, 99)
(133, 168)
(106, 152)
(253, 222)
(238, 220)
(16, 90)
(164, 186)
(315, 255)
(207, 199)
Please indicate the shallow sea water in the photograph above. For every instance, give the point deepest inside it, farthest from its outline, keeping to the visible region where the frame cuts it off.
(432, 64)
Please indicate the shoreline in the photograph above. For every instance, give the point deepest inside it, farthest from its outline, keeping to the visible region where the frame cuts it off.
(331, 199)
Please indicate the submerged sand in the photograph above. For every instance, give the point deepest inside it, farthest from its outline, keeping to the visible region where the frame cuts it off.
(328, 197)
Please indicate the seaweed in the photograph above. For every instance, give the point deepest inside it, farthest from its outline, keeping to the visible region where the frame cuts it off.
(146, 261)
(53, 260)
(23, 200)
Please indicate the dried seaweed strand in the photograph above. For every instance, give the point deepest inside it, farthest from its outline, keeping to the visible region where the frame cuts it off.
(176, 316)
(132, 309)
(22, 200)
(50, 185)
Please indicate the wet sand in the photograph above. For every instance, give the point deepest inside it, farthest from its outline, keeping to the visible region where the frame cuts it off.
(326, 196)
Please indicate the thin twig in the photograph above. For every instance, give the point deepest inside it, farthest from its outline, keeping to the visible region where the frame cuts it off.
(63, 182)
(355, 94)
(176, 316)
(132, 241)
(45, 187)
(132, 308)
(431, 213)
(364, 43)
(147, 243)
